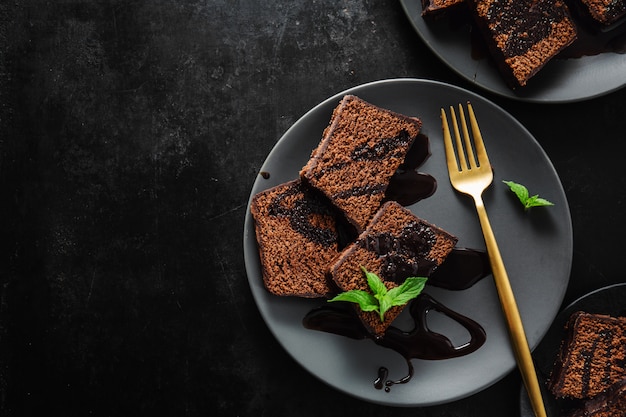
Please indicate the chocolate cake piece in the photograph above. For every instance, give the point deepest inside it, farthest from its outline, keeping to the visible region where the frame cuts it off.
(297, 239)
(611, 403)
(605, 12)
(523, 35)
(396, 245)
(592, 356)
(360, 150)
(439, 7)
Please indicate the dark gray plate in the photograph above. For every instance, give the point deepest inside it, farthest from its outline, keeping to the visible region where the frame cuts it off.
(536, 247)
(609, 300)
(561, 80)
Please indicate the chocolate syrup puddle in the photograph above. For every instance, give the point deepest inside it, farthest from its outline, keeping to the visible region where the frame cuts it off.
(462, 268)
(408, 186)
(418, 153)
(418, 343)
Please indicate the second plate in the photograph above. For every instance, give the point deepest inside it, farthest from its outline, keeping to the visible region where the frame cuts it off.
(562, 80)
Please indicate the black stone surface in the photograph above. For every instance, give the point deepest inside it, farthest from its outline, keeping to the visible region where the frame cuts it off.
(131, 132)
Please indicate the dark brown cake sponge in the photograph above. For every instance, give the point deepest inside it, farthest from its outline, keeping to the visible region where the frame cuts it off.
(523, 35)
(361, 148)
(611, 403)
(297, 239)
(592, 356)
(606, 12)
(396, 245)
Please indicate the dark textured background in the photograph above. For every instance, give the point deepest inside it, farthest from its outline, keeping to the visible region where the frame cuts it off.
(130, 135)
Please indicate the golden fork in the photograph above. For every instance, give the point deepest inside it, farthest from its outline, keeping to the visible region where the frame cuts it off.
(471, 174)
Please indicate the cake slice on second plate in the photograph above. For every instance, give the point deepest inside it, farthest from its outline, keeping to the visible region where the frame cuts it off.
(592, 356)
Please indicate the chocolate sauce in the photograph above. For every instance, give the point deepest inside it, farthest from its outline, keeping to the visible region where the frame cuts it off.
(265, 175)
(462, 268)
(382, 149)
(301, 211)
(403, 255)
(408, 186)
(423, 343)
(418, 153)
(418, 343)
(536, 19)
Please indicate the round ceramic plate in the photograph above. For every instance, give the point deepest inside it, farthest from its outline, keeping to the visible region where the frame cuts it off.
(609, 300)
(536, 247)
(561, 80)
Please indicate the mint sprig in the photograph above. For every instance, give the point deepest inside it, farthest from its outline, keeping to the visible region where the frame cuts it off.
(381, 299)
(524, 196)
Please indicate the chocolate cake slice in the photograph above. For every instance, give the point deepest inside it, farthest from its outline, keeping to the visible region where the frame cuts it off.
(396, 245)
(523, 35)
(297, 238)
(611, 403)
(592, 356)
(439, 7)
(605, 12)
(360, 150)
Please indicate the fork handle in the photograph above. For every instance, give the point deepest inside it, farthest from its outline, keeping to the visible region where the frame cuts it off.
(511, 313)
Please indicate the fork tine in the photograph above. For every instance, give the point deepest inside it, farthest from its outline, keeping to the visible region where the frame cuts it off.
(462, 160)
(447, 141)
(481, 152)
(468, 141)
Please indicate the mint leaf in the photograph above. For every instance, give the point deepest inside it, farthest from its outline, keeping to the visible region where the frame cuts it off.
(535, 201)
(520, 191)
(365, 300)
(410, 288)
(524, 196)
(376, 284)
(381, 299)
(385, 304)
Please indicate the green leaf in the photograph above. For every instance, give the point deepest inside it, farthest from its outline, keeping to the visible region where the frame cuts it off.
(520, 191)
(385, 304)
(381, 299)
(523, 195)
(410, 288)
(535, 201)
(376, 284)
(365, 300)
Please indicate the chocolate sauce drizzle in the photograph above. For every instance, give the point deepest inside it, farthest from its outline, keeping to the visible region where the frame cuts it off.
(382, 149)
(537, 22)
(404, 255)
(407, 185)
(418, 343)
(463, 268)
(301, 213)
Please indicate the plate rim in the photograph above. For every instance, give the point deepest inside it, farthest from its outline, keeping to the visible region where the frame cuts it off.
(249, 225)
